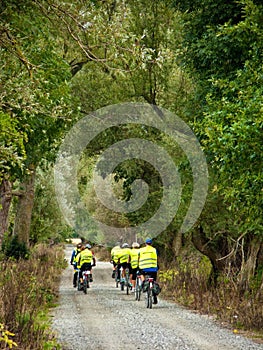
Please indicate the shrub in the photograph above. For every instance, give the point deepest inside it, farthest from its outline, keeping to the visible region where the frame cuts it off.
(13, 248)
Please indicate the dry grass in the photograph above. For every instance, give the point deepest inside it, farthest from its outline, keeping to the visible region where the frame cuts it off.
(27, 289)
(187, 284)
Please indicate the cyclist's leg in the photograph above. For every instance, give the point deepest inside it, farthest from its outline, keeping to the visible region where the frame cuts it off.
(81, 276)
(114, 269)
(143, 273)
(119, 272)
(75, 276)
(133, 278)
(124, 265)
(129, 275)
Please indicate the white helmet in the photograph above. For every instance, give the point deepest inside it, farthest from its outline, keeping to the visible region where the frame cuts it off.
(125, 245)
(88, 246)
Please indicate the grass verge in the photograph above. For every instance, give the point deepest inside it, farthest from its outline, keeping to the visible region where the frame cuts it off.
(28, 289)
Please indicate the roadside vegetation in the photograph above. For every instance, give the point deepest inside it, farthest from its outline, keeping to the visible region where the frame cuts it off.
(188, 282)
(201, 60)
(28, 289)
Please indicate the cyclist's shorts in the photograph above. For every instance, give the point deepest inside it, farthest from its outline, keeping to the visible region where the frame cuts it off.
(152, 274)
(134, 273)
(85, 266)
(126, 265)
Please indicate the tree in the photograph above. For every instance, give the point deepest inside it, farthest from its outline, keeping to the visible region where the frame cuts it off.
(36, 97)
(229, 123)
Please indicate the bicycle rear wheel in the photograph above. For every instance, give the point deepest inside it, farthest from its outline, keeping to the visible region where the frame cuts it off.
(127, 281)
(78, 282)
(149, 298)
(137, 289)
(122, 285)
(85, 286)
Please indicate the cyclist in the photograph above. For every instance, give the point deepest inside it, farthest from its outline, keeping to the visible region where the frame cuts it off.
(115, 258)
(85, 261)
(134, 261)
(73, 262)
(148, 263)
(124, 259)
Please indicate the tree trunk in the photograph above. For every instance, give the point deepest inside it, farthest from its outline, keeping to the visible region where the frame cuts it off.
(24, 208)
(177, 244)
(214, 254)
(249, 263)
(6, 197)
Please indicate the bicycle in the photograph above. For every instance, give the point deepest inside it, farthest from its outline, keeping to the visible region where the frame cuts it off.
(138, 285)
(86, 280)
(148, 288)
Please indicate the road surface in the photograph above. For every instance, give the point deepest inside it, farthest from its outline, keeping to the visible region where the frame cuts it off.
(107, 318)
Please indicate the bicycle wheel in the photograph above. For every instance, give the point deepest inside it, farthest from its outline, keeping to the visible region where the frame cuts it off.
(78, 282)
(117, 278)
(84, 286)
(137, 290)
(127, 281)
(122, 285)
(87, 280)
(148, 298)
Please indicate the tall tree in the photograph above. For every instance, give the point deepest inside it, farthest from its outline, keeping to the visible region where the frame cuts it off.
(36, 96)
(224, 48)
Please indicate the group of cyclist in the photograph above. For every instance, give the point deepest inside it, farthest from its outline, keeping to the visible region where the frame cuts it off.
(142, 259)
(82, 259)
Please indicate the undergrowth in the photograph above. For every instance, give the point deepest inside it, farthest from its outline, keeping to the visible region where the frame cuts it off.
(28, 288)
(187, 282)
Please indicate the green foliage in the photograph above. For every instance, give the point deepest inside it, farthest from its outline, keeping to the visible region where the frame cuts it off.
(13, 248)
(224, 52)
(12, 149)
(35, 94)
(47, 224)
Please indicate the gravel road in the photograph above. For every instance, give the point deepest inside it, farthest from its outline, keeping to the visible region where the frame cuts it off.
(107, 318)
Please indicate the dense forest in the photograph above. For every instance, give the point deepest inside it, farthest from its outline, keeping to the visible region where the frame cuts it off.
(199, 59)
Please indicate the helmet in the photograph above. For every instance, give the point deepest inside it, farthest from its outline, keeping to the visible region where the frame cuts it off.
(125, 245)
(135, 245)
(88, 246)
(148, 241)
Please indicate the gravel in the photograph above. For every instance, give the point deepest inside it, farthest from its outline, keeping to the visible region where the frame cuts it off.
(107, 318)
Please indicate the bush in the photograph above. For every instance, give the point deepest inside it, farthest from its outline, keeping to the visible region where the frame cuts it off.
(34, 286)
(12, 248)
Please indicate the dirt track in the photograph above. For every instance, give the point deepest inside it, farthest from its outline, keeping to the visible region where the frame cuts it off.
(107, 318)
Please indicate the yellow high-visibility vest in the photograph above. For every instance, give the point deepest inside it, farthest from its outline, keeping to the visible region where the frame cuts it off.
(134, 258)
(124, 255)
(148, 257)
(115, 253)
(85, 256)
